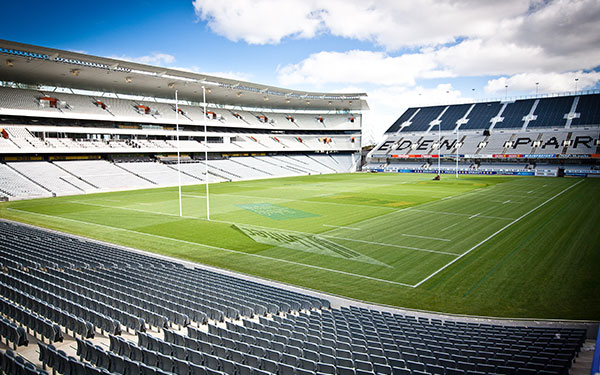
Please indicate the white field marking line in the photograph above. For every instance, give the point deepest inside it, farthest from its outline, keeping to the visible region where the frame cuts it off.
(337, 226)
(505, 202)
(457, 214)
(479, 213)
(530, 191)
(496, 233)
(216, 248)
(392, 245)
(307, 201)
(110, 200)
(427, 238)
(450, 197)
(378, 217)
(263, 227)
(449, 227)
(193, 196)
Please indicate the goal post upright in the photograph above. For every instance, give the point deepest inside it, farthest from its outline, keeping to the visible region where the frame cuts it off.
(178, 152)
(205, 153)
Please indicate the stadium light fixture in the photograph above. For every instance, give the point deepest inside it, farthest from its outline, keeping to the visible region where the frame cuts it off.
(9, 63)
(171, 85)
(75, 72)
(128, 79)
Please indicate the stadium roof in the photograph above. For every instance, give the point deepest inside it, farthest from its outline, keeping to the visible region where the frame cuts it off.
(34, 65)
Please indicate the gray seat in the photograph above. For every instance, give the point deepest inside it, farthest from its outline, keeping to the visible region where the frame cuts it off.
(272, 355)
(252, 360)
(150, 358)
(307, 364)
(362, 365)
(326, 368)
(269, 365)
(165, 363)
(131, 367)
(312, 355)
(117, 364)
(212, 362)
(243, 370)
(197, 369)
(286, 369)
(227, 366)
(382, 369)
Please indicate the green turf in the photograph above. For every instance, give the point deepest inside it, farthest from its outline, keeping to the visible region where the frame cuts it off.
(481, 245)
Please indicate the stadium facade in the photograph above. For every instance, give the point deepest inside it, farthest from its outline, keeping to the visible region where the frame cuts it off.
(79, 120)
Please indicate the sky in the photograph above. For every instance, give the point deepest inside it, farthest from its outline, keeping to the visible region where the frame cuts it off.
(402, 53)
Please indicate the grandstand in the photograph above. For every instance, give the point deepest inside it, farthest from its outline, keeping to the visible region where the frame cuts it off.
(109, 118)
(200, 321)
(552, 135)
(74, 124)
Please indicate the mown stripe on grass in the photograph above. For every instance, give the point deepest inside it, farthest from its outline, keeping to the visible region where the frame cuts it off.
(498, 232)
(513, 252)
(216, 248)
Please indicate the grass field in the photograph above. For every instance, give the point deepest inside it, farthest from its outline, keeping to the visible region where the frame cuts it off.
(485, 245)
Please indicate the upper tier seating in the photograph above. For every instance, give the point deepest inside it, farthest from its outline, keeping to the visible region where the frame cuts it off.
(160, 112)
(553, 112)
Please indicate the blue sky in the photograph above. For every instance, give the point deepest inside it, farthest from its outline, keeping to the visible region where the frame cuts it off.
(402, 53)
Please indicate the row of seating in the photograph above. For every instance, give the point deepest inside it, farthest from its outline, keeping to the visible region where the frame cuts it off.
(275, 355)
(38, 324)
(11, 286)
(303, 334)
(66, 252)
(53, 313)
(127, 319)
(14, 364)
(121, 301)
(220, 289)
(128, 359)
(13, 333)
(63, 364)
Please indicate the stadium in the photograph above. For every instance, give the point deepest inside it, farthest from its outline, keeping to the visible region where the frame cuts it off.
(157, 221)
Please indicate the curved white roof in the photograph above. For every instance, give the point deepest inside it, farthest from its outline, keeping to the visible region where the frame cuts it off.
(29, 64)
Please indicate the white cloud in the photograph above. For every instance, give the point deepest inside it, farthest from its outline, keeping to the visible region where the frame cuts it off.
(260, 21)
(548, 82)
(390, 23)
(360, 67)
(156, 58)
